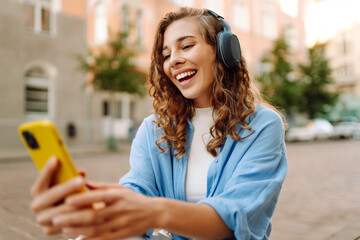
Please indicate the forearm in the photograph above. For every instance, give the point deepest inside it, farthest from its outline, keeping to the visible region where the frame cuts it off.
(193, 220)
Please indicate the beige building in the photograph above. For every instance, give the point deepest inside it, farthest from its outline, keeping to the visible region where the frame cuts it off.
(38, 68)
(256, 22)
(343, 51)
(40, 76)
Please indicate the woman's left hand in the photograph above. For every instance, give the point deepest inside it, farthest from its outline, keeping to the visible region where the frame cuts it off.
(124, 213)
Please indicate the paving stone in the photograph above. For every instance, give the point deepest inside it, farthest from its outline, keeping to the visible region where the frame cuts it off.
(320, 199)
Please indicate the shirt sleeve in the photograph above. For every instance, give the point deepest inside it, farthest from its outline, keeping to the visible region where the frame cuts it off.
(249, 197)
(141, 177)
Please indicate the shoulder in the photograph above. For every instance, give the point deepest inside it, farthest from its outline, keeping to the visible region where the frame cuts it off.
(149, 127)
(265, 116)
(149, 119)
(148, 122)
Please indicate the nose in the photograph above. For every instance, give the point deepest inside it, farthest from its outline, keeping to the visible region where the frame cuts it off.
(176, 59)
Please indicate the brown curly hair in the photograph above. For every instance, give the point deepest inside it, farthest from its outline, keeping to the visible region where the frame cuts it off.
(233, 96)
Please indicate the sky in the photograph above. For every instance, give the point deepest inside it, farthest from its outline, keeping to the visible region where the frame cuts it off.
(327, 17)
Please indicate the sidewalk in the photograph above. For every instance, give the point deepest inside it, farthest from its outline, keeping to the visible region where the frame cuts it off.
(320, 199)
(352, 231)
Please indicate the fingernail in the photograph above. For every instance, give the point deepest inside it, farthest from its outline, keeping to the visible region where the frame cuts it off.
(52, 161)
(57, 220)
(78, 181)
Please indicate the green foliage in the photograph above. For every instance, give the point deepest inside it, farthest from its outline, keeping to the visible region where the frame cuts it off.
(112, 69)
(308, 93)
(278, 85)
(315, 77)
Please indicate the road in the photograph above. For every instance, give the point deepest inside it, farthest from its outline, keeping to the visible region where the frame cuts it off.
(320, 199)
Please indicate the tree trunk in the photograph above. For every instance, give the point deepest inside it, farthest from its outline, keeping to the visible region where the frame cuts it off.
(111, 143)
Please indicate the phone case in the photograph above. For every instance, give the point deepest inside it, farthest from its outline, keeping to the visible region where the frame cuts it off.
(42, 141)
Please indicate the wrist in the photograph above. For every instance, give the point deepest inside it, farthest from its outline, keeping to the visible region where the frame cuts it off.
(160, 211)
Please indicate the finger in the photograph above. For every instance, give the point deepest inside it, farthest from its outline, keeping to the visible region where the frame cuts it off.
(46, 216)
(106, 196)
(81, 217)
(49, 230)
(95, 229)
(57, 193)
(102, 185)
(45, 177)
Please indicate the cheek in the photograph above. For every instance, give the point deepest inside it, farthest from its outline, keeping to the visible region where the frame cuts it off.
(166, 69)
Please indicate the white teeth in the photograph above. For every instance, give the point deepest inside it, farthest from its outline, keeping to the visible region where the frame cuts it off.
(184, 74)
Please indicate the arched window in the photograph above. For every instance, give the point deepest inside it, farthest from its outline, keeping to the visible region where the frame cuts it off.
(37, 84)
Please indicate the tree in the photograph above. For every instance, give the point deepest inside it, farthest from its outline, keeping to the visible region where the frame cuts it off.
(316, 77)
(278, 84)
(111, 69)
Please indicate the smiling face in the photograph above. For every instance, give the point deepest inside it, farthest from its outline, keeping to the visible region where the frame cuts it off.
(189, 60)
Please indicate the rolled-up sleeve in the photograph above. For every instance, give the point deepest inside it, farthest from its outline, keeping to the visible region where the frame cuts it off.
(246, 201)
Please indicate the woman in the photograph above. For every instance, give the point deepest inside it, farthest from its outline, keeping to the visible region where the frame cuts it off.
(209, 164)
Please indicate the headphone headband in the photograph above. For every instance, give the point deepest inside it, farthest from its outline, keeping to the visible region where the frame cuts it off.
(227, 44)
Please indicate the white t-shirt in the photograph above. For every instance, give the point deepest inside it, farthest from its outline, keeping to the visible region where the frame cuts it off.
(199, 159)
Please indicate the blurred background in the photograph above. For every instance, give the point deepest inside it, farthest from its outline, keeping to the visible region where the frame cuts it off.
(83, 64)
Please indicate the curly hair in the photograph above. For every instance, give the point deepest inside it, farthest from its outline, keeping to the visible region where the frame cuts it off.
(233, 96)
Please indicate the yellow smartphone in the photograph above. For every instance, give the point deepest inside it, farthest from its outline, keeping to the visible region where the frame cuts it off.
(43, 141)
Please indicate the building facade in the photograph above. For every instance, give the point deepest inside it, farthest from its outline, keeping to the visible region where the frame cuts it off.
(343, 51)
(39, 77)
(257, 23)
(39, 71)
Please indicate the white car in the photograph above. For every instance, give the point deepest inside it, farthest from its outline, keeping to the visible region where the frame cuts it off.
(316, 129)
(346, 130)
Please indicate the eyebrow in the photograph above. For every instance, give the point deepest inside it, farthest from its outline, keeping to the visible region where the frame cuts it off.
(179, 40)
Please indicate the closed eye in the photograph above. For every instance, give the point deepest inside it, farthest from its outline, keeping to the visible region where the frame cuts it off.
(185, 47)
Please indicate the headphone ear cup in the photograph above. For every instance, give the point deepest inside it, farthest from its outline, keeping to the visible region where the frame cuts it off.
(218, 47)
(229, 49)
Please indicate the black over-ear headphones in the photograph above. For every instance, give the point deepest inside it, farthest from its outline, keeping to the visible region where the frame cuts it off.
(227, 44)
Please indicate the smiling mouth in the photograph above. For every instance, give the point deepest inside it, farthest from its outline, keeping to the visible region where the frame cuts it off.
(185, 75)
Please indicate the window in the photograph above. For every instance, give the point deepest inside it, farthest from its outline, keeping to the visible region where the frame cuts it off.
(269, 19)
(182, 2)
(291, 36)
(105, 108)
(37, 92)
(100, 28)
(139, 28)
(39, 16)
(215, 5)
(125, 22)
(118, 109)
(241, 16)
(289, 7)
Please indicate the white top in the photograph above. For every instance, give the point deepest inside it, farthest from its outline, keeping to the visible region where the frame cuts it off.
(199, 159)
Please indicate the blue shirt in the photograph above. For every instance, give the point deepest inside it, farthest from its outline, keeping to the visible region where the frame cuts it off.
(243, 182)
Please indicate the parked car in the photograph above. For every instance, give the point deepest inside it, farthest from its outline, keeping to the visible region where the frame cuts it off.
(356, 134)
(345, 129)
(316, 129)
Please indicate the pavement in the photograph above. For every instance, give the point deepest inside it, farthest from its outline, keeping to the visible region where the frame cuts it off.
(320, 198)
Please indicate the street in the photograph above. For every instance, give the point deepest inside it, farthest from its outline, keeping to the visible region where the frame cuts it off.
(320, 199)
